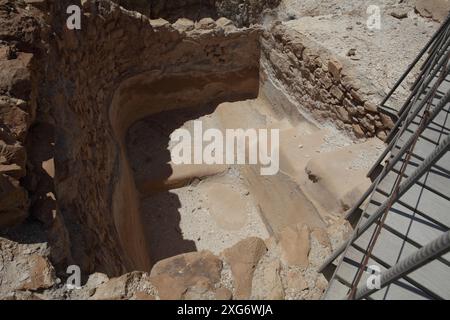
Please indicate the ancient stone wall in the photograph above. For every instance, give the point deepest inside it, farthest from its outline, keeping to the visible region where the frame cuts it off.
(322, 83)
(86, 68)
(19, 72)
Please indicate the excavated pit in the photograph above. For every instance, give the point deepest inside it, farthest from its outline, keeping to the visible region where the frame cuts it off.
(193, 207)
(162, 210)
(107, 191)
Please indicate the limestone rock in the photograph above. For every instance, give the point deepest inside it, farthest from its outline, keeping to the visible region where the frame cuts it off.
(400, 13)
(96, 279)
(272, 281)
(223, 294)
(338, 231)
(381, 134)
(343, 114)
(359, 98)
(321, 283)
(371, 107)
(206, 23)
(359, 133)
(337, 93)
(387, 121)
(131, 285)
(295, 246)
(335, 68)
(435, 9)
(243, 258)
(202, 290)
(15, 116)
(142, 296)
(195, 271)
(25, 267)
(159, 23)
(224, 22)
(321, 236)
(184, 24)
(114, 289)
(39, 274)
(296, 281)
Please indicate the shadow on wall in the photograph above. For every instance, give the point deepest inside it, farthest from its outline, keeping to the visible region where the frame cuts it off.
(147, 150)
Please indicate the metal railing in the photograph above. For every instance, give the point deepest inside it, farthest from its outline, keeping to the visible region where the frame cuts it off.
(428, 101)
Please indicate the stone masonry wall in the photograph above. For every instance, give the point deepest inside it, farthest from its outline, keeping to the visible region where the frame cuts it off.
(85, 69)
(321, 83)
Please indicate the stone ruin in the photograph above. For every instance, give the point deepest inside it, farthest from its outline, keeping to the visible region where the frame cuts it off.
(76, 106)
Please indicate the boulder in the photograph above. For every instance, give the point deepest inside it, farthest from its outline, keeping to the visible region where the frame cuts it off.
(243, 258)
(187, 275)
(132, 285)
(295, 245)
(39, 274)
(270, 285)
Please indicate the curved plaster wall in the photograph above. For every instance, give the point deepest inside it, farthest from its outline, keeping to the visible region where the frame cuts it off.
(146, 94)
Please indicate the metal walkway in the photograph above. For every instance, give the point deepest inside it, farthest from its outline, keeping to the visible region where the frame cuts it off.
(402, 222)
